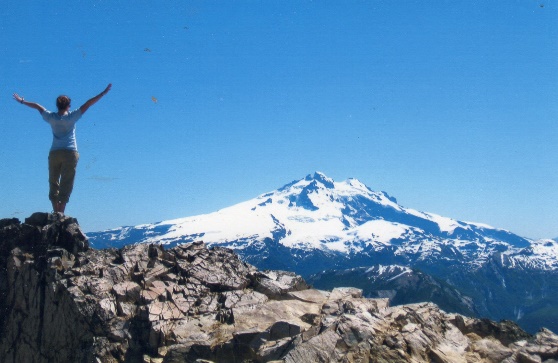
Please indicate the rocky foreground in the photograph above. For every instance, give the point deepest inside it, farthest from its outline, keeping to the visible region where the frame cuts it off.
(61, 301)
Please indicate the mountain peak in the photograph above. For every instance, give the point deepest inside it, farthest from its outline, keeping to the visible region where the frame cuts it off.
(320, 177)
(317, 214)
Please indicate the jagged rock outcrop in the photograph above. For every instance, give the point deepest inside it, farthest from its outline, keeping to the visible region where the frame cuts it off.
(63, 302)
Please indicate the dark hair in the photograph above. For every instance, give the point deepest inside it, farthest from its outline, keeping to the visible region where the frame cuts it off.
(62, 102)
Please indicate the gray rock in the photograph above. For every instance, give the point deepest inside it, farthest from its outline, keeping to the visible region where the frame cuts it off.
(63, 302)
(277, 284)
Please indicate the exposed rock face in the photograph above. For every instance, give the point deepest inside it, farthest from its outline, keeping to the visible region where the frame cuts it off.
(63, 302)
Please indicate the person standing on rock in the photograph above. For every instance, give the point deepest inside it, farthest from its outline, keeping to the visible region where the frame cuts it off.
(63, 155)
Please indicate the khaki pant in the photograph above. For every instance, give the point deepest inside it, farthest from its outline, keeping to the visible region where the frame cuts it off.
(61, 172)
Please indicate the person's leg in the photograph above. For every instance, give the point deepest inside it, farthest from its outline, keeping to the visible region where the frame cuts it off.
(54, 169)
(68, 173)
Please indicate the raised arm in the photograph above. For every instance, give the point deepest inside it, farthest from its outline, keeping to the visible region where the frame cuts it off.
(94, 100)
(34, 105)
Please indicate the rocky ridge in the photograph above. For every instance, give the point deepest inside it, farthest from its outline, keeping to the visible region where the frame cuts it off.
(61, 301)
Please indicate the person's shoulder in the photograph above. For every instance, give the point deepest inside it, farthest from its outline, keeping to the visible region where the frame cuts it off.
(46, 114)
(74, 115)
(77, 111)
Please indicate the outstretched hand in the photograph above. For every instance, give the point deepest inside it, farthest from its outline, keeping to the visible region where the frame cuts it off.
(18, 98)
(107, 89)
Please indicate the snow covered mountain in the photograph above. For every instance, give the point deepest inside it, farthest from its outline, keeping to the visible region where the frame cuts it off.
(344, 220)
(315, 225)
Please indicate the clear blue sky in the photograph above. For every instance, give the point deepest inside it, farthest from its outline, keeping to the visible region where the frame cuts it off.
(450, 106)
